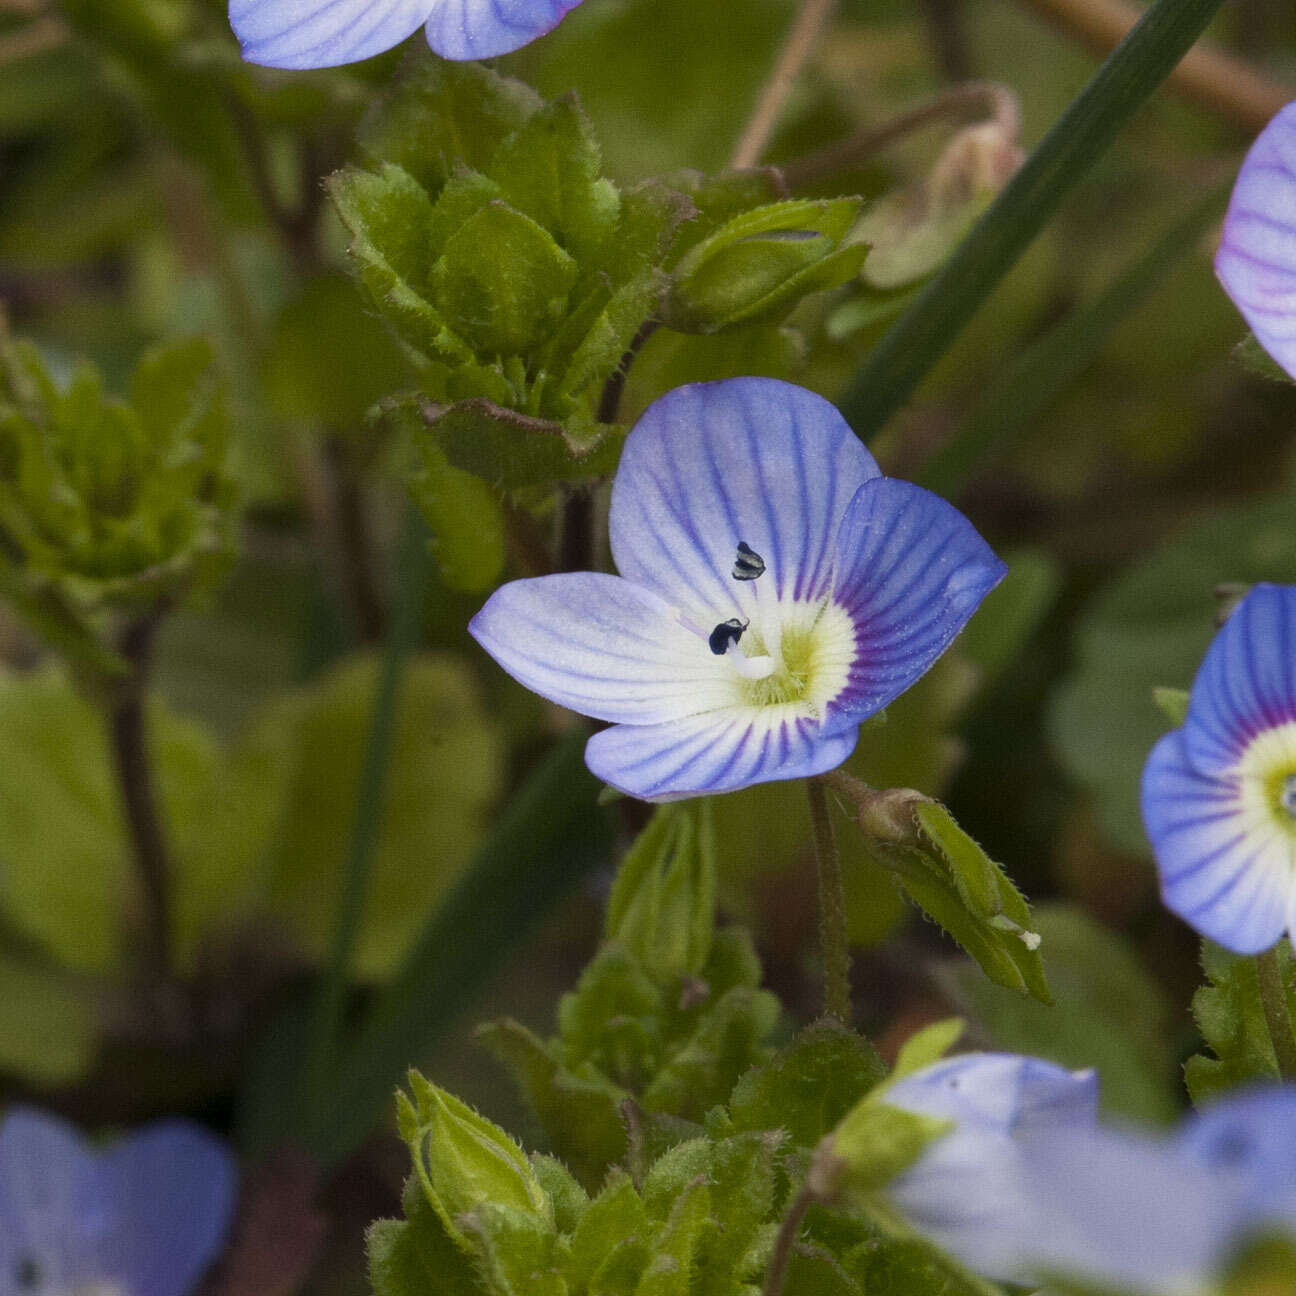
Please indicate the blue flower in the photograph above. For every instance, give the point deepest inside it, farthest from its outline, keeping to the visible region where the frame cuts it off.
(326, 33)
(1256, 261)
(775, 591)
(144, 1216)
(1219, 794)
(1028, 1186)
(966, 1191)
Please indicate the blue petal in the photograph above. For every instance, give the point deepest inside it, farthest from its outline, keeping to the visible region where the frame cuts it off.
(1256, 261)
(911, 570)
(1004, 1092)
(719, 751)
(322, 33)
(603, 647)
(1220, 871)
(45, 1168)
(169, 1191)
(712, 464)
(477, 29)
(1250, 1138)
(1247, 680)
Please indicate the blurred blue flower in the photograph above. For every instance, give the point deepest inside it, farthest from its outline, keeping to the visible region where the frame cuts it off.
(326, 33)
(775, 591)
(1219, 794)
(144, 1216)
(1256, 261)
(1028, 1186)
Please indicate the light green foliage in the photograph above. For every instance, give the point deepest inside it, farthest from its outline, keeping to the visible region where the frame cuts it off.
(106, 502)
(1230, 1016)
(1151, 627)
(1108, 1013)
(947, 874)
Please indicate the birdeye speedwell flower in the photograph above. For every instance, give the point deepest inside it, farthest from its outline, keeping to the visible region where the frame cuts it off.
(1256, 261)
(144, 1216)
(326, 33)
(775, 591)
(1219, 794)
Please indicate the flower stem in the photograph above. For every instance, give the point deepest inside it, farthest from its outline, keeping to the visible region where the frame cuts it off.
(1273, 999)
(812, 17)
(128, 739)
(776, 1274)
(832, 907)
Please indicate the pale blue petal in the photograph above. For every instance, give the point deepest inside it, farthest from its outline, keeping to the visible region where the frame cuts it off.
(603, 647)
(747, 459)
(322, 33)
(45, 1168)
(1250, 1137)
(477, 29)
(1256, 261)
(169, 1191)
(911, 570)
(1122, 1210)
(1247, 680)
(1219, 871)
(719, 751)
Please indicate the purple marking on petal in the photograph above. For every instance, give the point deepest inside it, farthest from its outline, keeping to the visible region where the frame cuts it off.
(1216, 872)
(1247, 680)
(478, 29)
(1256, 261)
(749, 459)
(602, 646)
(710, 753)
(911, 570)
(322, 33)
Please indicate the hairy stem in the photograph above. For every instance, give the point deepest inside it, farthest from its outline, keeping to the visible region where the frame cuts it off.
(812, 17)
(776, 1274)
(1273, 998)
(832, 907)
(132, 760)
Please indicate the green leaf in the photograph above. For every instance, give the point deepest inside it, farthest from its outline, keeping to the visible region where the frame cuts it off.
(1150, 627)
(1230, 1015)
(1125, 81)
(809, 1085)
(1108, 1013)
(48, 1025)
(413, 1256)
(445, 777)
(443, 115)
(549, 169)
(502, 282)
(611, 1238)
(508, 450)
(675, 1246)
(761, 263)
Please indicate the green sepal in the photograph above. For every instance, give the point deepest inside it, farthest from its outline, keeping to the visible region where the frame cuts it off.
(609, 1248)
(927, 1046)
(761, 263)
(873, 1144)
(514, 1249)
(502, 281)
(415, 1255)
(1230, 1015)
(1173, 703)
(1256, 360)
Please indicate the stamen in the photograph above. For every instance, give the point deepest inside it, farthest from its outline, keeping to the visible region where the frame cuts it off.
(1287, 797)
(749, 564)
(726, 633)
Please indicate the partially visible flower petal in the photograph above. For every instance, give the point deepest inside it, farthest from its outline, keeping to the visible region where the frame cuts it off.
(1247, 680)
(603, 647)
(1223, 869)
(747, 459)
(911, 570)
(714, 752)
(169, 1191)
(478, 29)
(322, 33)
(44, 1169)
(1256, 261)
(965, 1191)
